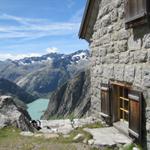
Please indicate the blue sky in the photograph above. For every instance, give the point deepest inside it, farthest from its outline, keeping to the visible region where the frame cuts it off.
(36, 27)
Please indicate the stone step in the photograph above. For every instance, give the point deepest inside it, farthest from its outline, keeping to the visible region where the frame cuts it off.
(109, 136)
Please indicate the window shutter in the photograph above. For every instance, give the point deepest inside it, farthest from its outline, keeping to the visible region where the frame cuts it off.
(105, 100)
(135, 12)
(135, 115)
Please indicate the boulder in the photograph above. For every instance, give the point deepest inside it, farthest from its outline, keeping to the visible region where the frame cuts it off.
(79, 137)
(135, 148)
(13, 115)
(26, 133)
(50, 136)
(91, 142)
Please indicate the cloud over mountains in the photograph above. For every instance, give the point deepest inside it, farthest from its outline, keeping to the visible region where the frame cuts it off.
(4, 56)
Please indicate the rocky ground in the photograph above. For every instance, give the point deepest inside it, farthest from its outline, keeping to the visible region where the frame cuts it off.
(88, 131)
(17, 133)
(77, 134)
(10, 139)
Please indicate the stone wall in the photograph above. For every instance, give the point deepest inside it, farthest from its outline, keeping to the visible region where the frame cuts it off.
(119, 54)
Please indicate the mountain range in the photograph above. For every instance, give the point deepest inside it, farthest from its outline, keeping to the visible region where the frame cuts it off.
(40, 76)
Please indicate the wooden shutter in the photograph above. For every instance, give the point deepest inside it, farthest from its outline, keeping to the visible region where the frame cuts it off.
(135, 12)
(135, 114)
(105, 100)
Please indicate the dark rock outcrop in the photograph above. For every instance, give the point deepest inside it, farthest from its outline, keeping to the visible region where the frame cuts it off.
(12, 115)
(9, 88)
(73, 98)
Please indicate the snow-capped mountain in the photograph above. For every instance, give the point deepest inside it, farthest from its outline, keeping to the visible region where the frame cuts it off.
(70, 58)
(42, 75)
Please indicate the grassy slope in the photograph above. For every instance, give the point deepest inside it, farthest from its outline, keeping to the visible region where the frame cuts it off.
(11, 140)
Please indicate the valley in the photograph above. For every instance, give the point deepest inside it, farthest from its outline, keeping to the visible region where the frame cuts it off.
(50, 86)
(40, 76)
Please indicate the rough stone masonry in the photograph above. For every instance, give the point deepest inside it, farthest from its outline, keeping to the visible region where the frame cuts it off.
(120, 54)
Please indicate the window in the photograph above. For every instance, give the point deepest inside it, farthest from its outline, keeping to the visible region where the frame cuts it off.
(136, 12)
(119, 103)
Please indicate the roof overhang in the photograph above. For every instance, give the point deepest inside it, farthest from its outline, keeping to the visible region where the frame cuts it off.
(89, 19)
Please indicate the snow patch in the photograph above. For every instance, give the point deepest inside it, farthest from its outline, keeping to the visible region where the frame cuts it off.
(80, 56)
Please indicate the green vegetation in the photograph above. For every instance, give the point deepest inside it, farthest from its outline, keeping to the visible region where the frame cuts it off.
(94, 125)
(11, 139)
(8, 132)
(95, 148)
(55, 117)
(130, 147)
(71, 117)
(75, 132)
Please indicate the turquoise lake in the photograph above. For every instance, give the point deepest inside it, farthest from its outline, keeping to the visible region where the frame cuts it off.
(37, 108)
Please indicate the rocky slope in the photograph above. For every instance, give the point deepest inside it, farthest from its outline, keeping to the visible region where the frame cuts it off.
(12, 115)
(42, 75)
(42, 82)
(11, 89)
(73, 98)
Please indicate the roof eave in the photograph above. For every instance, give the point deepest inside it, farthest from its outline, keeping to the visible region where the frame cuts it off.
(86, 29)
(84, 19)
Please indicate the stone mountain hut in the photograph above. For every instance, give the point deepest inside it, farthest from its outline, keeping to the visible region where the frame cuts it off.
(118, 32)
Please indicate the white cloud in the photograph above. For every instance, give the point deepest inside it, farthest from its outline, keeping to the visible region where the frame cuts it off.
(21, 20)
(5, 56)
(52, 50)
(35, 28)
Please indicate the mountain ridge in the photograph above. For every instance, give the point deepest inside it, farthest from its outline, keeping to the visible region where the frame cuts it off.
(42, 75)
